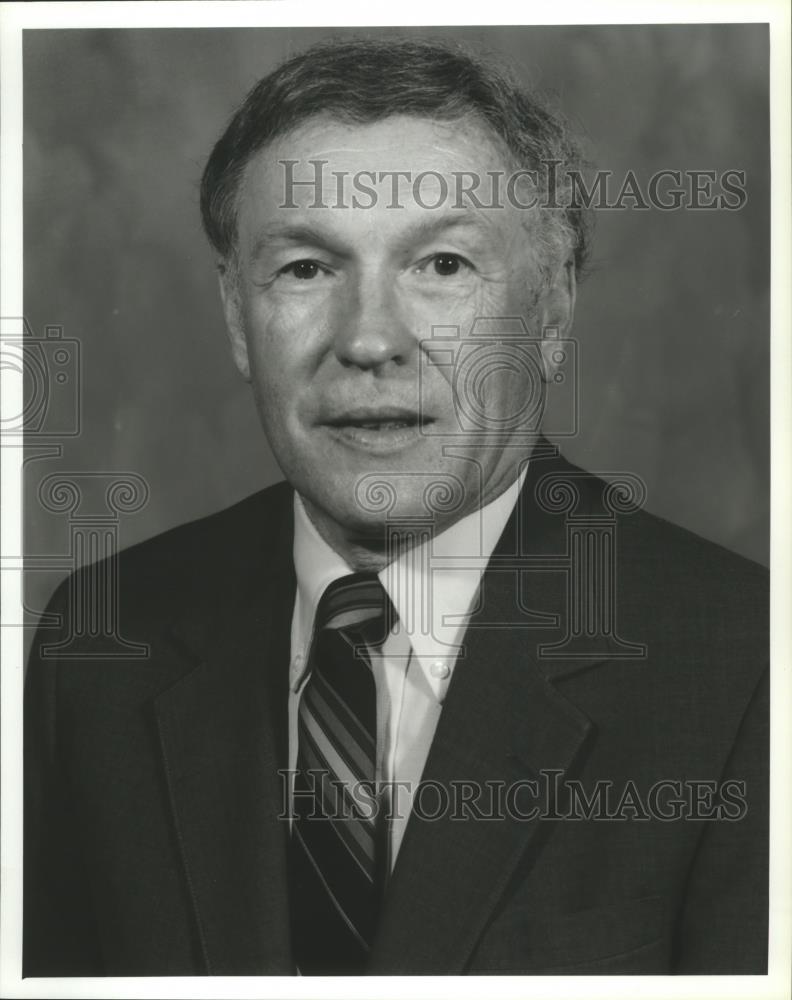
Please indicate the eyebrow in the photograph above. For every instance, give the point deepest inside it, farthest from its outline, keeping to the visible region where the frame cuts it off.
(434, 225)
(296, 234)
(305, 234)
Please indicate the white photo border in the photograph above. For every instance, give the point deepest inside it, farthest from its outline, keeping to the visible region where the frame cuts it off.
(16, 17)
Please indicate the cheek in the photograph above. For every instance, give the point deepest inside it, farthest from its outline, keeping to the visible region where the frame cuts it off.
(278, 337)
(495, 298)
(459, 310)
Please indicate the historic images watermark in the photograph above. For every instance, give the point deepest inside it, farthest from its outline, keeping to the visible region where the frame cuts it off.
(548, 187)
(549, 796)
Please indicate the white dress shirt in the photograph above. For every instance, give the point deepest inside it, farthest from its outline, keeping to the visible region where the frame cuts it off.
(417, 660)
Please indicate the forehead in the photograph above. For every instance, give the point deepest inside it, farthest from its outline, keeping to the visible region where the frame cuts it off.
(389, 155)
(399, 142)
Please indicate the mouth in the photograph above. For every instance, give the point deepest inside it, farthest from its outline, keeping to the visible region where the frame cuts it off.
(380, 429)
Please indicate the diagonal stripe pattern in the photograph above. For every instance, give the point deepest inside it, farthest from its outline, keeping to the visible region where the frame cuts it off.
(339, 839)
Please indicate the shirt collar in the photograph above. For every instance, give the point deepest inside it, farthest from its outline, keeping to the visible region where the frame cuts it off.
(432, 586)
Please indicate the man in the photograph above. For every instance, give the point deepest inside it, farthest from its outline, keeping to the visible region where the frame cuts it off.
(441, 703)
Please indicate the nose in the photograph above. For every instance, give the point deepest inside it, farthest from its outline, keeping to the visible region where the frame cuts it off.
(371, 327)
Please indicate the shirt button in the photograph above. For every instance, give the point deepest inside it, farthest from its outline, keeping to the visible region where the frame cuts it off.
(440, 670)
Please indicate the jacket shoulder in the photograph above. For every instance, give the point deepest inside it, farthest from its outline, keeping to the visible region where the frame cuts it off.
(187, 565)
(666, 551)
(702, 609)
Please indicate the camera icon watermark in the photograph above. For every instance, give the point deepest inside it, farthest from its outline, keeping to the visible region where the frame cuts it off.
(500, 377)
(41, 414)
(50, 368)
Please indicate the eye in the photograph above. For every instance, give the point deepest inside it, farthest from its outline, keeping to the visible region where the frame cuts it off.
(444, 264)
(305, 270)
(447, 263)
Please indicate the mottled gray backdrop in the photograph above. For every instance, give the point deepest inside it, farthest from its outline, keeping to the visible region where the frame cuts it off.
(672, 323)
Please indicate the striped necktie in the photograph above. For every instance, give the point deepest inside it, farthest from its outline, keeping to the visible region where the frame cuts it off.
(339, 833)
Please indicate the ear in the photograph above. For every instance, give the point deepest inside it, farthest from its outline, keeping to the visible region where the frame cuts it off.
(229, 293)
(557, 309)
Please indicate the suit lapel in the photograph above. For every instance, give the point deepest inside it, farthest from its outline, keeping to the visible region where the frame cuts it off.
(222, 731)
(503, 723)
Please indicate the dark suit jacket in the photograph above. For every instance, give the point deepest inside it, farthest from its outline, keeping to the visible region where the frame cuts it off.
(153, 844)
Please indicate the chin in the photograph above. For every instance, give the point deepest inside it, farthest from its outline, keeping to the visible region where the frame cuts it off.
(399, 497)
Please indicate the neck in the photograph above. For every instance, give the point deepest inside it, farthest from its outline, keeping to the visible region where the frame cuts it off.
(364, 553)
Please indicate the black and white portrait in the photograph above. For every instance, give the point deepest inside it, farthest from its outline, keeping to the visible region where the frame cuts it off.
(396, 501)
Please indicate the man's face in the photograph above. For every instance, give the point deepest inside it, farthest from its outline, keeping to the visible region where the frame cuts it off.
(329, 311)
